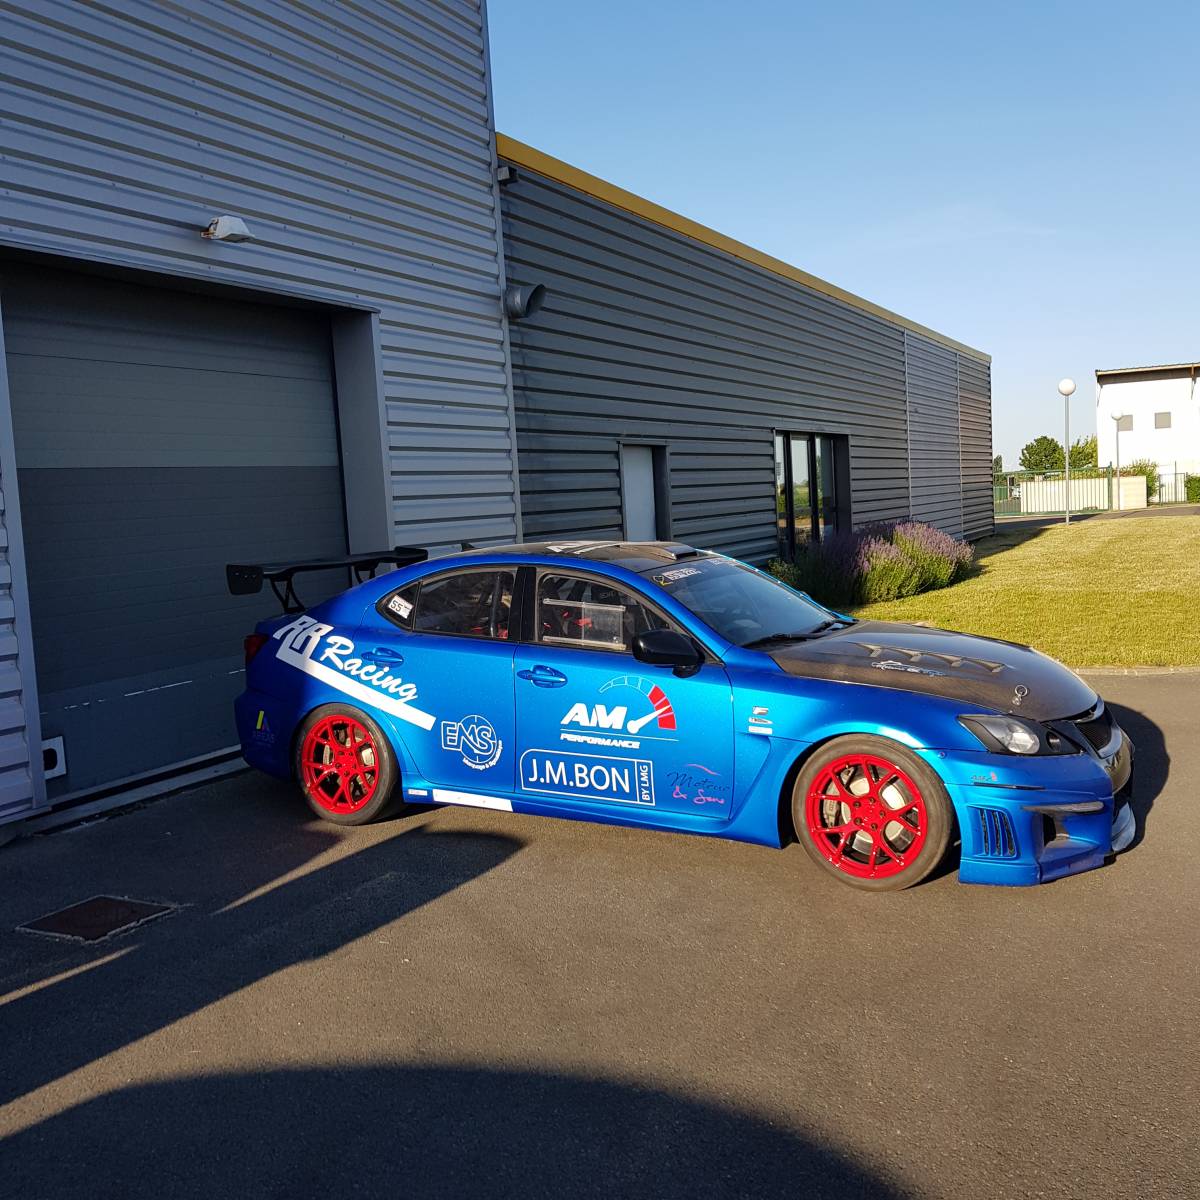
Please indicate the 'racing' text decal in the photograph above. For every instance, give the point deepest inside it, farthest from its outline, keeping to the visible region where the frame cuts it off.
(306, 644)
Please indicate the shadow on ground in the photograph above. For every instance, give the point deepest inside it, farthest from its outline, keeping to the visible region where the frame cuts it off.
(1151, 762)
(182, 964)
(401, 1131)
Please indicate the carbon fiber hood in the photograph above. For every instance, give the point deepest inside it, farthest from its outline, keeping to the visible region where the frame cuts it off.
(913, 658)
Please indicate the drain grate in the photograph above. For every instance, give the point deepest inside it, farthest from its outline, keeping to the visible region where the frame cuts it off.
(98, 918)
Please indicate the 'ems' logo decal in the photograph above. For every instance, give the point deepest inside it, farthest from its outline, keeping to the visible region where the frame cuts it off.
(475, 739)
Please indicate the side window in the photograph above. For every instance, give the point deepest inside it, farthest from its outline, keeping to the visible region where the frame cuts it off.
(590, 614)
(471, 604)
(399, 606)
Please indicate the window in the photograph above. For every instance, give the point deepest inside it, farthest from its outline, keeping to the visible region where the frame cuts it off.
(743, 604)
(1124, 424)
(590, 614)
(805, 489)
(399, 606)
(1162, 420)
(469, 604)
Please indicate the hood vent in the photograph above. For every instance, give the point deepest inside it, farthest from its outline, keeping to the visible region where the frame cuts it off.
(930, 658)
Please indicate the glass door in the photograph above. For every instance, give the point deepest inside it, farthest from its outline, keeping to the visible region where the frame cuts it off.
(805, 489)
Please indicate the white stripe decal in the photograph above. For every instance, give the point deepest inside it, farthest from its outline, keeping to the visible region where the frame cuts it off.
(471, 800)
(372, 696)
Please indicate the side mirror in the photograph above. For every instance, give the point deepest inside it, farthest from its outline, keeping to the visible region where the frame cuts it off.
(666, 648)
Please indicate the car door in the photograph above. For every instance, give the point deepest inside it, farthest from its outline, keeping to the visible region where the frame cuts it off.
(598, 729)
(447, 637)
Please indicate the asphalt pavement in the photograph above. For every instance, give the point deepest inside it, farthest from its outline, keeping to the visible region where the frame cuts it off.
(461, 1003)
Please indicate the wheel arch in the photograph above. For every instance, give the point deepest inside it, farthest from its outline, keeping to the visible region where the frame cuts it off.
(787, 827)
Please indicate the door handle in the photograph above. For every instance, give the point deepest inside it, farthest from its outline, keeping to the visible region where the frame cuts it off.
(383, 654)
(543, 676)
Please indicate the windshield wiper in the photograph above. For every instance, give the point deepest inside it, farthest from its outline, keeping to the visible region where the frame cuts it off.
(771, 638)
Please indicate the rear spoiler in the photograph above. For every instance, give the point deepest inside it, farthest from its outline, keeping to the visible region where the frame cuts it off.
(244, 579)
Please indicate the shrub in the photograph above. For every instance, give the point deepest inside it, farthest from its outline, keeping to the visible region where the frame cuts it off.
(883, 561)
(1192, 489)
(939, 557)
(889, 573)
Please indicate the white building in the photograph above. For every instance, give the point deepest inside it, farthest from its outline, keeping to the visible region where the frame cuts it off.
(1157, 413)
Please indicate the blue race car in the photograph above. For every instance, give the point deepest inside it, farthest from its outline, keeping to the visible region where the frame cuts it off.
(658, 685)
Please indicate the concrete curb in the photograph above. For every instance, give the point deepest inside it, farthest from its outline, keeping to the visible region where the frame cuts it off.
(1136, 670)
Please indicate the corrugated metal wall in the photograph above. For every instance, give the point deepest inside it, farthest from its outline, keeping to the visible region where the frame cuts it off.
(651, 334)
(20, 781)
(932, 374)
(356, 141)
(975, 445)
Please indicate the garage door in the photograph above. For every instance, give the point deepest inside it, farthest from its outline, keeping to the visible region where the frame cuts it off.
(159, 435)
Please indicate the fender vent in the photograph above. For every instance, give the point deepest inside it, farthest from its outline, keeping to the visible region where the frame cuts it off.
(996, 834)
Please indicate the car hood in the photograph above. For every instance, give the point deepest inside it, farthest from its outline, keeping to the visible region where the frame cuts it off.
(959, 666)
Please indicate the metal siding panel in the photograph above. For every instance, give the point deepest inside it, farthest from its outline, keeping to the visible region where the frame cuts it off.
(975, 450)
(22, 787)
(649, 334)
(356, 141)
(932, 375)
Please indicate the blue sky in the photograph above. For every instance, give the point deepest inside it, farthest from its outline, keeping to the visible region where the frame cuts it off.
(1022, 177)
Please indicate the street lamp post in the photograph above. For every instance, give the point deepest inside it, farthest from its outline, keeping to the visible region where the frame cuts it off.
(1065, 388)
(1117, 419)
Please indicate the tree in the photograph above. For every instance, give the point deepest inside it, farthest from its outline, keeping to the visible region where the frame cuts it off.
(998, 466)
(1083, 453)
(1042, 454)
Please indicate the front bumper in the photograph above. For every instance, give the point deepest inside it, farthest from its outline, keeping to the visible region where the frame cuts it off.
(1027, 821)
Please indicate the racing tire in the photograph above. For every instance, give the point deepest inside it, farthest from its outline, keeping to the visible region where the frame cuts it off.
(345, 765)
(871, 813)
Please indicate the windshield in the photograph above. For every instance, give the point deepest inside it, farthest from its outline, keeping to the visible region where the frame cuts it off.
(742, 604)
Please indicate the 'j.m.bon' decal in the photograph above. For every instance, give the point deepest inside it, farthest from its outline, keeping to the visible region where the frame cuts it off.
(313, 648)
(588, 776)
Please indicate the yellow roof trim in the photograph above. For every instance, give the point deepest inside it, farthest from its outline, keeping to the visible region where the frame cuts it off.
(554, 168)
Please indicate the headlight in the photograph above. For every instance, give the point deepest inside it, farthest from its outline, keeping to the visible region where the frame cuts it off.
(1011, 735)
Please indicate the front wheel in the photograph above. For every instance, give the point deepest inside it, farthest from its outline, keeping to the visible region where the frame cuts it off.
(345, 765)
(872, 813)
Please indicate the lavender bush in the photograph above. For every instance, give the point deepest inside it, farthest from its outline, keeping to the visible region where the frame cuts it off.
(882, 561)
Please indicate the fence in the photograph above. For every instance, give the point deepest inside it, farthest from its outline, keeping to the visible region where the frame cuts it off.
(1029, 493)
(1172, 488)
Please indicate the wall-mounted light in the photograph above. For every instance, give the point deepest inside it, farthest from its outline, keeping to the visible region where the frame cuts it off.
(227, 229)
(506, 175)
(523, 300)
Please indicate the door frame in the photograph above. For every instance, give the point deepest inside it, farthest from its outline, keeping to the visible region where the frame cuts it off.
(661, 465)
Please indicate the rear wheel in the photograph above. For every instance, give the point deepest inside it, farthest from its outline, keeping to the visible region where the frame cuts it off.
(872, 813)
(345, 765)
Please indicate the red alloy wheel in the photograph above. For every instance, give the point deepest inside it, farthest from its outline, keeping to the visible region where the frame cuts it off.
(866, 816)
(339, 762)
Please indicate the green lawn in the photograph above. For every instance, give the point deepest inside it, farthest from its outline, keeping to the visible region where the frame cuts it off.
(1115, 593)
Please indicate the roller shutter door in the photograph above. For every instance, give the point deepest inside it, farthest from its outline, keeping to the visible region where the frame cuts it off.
(159, 435)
